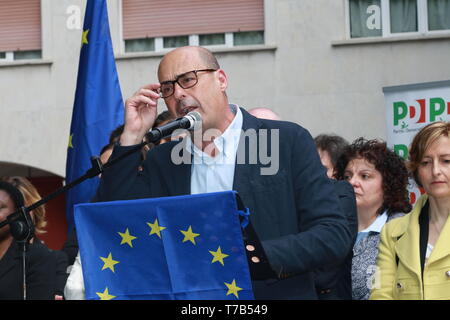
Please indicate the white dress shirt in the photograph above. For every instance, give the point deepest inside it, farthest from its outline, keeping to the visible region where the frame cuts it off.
(214, 174)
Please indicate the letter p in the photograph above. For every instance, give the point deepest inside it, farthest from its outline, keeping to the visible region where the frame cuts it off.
(400, 111)
(437, 107)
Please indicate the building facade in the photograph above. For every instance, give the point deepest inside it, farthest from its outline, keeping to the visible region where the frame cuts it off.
(319, 63)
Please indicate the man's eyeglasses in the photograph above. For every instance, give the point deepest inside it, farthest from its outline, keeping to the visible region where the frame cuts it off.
(185, 80)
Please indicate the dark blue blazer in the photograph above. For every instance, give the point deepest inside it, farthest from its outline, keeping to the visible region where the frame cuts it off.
(295, 212)
(334, 282)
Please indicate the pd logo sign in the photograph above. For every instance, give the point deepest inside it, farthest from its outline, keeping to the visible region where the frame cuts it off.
(422, 111)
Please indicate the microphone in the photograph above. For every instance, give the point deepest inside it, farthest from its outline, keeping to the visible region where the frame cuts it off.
(189, 121)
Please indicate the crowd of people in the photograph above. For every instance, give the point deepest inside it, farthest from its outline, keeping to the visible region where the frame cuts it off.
(335, 220)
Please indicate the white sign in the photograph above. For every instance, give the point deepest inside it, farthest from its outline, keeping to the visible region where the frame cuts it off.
(409, 109)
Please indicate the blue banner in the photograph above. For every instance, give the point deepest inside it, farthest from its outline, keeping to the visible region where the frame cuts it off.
(98, 107)
(185, 247)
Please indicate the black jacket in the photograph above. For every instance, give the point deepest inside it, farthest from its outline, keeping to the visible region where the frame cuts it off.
(45, 272)
(335, 282)
(295, 212)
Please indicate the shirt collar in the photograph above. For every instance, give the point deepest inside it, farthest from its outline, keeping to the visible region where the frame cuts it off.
(228, 141)
(378, 224)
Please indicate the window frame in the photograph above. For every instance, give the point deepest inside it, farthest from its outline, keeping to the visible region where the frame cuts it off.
(10, 56)
(422, 22)
(193, 40)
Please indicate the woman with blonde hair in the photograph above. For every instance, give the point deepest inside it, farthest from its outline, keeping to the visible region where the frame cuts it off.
(31, 195)
(414, 253)
(54, 265)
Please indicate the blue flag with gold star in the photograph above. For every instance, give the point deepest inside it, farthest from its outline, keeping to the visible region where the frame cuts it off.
(98, 107)
(184, 247)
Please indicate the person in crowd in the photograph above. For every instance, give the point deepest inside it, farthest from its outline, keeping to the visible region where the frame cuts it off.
(44, 268)
(414, 258)
(38, 216)
(330, 148)
(295, 196)
(70, 246)
(264, 113)
(334, 282)
(31, 195)
(162, 119)
(114, 136)
(74, 286)
(379, 178)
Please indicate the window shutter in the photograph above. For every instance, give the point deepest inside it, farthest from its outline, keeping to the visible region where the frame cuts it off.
(20, 25)
(145, 18)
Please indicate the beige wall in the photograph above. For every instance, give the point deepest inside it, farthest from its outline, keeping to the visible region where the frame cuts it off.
(304, 73)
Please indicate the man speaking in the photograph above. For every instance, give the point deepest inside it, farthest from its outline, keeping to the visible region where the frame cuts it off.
(294, 209)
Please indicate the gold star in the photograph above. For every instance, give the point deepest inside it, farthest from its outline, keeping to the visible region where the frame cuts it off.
(127, 238)
(70, 141)
(105, 295)
(84, 39)
(233, 288)
(218, 256)
(189, 235)
(109, 262)
(155, 228)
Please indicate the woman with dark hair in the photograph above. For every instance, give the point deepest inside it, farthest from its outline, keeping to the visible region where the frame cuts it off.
(330, 148)
(43, 267)
(379, 178)
(414, 259)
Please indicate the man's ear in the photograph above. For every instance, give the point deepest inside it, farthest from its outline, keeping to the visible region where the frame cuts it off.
(223, 79)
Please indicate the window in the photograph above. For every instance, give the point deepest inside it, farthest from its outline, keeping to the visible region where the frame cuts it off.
(138, 45)
(20, 30)
(403, 17)
(248, 38)
(175, 42)
(438, 14)
(211, 39)
(365, 18)
(385, 18)
(160, 25)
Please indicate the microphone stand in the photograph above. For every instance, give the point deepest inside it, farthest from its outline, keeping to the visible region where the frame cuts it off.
(23, 229)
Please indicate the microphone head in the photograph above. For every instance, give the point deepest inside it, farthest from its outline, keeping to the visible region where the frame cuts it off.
(195, 118)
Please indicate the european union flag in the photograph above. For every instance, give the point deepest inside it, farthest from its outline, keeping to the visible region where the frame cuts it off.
(98, 107)
(184, 247)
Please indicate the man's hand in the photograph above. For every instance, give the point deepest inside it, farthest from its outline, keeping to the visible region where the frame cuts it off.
(140, 114)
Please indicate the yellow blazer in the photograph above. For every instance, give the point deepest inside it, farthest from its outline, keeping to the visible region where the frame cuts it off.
(404, 282)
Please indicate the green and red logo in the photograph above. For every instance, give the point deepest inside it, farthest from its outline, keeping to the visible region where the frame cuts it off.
(426, 110)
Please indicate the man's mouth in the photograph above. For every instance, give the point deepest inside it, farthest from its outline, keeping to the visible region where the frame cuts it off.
(185, 110)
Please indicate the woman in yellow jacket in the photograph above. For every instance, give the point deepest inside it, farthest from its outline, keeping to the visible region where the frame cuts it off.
(414, 251)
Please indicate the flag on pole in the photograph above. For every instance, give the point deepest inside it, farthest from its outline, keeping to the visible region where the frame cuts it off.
(98, 107)
(184, 247)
